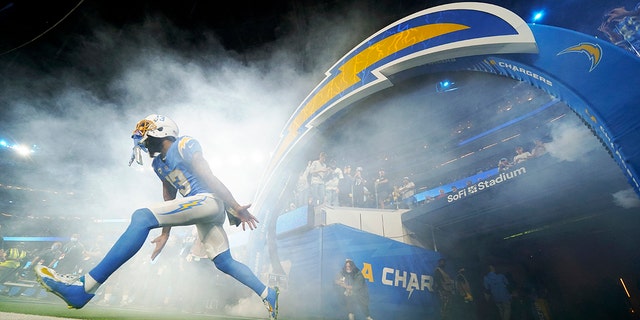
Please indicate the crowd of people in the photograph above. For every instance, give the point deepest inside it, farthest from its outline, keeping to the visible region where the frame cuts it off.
(70, 257)
(504, 164)
(489, 295)
(323, 182)
(501, 297)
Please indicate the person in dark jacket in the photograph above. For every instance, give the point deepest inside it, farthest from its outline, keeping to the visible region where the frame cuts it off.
(355, 288)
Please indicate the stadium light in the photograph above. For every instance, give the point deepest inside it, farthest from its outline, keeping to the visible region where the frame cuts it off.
(445, 86)
(20, 149)
(537, 16)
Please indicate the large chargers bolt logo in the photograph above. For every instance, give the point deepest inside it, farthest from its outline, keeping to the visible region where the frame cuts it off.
(591, 50)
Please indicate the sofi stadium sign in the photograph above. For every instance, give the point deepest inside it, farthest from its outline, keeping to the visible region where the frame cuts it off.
(486, 184)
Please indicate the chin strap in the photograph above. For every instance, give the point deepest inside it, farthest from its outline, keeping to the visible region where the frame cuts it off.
(136, 155)
(138, 148)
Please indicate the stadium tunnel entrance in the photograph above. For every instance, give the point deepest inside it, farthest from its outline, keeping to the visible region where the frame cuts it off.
(568, 65)
(575, 69)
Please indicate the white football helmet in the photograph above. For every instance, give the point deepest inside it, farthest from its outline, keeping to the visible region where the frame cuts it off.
(156, 125)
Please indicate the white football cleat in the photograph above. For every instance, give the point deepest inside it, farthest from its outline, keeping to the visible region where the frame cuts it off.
(68, 288)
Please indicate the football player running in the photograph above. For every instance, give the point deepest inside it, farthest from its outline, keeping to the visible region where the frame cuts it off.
(180, 165)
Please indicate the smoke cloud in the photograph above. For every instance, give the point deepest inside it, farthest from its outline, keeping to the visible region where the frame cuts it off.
(571, 141)
(626, 199)
(80, 111)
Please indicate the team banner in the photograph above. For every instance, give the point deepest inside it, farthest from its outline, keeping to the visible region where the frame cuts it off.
(399, 277)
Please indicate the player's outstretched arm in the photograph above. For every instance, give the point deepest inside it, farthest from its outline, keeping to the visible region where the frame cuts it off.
(246, 217)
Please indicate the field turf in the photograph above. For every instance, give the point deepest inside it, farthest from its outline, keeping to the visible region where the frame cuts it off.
(53, 307)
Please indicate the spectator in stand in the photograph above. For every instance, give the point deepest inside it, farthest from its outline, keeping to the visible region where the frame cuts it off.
(383, 189)
(429, 199)
(332, 185)
(521, 156)
(538, 148)
(73, 255)
(504, 165)
(302, 190)
(3, 253)
(345, 192)
(94, 252)
(48, 256)
(12, 259)
(407, 191)
(1, 245)
(318, 170)
(441, 194)
(359, 189)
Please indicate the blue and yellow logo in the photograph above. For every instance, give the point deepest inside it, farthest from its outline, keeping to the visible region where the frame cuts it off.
(186, 206)
(591, 50)
(458, 29)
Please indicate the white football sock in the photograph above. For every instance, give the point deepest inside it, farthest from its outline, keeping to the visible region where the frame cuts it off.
(90, 284)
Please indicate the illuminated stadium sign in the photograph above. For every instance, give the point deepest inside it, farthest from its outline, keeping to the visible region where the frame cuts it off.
(486, 184)
(515, 71)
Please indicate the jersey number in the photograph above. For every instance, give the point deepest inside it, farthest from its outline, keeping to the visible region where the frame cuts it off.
(179, 181)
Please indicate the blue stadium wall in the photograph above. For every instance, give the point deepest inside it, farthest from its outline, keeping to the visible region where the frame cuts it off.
(399, 276)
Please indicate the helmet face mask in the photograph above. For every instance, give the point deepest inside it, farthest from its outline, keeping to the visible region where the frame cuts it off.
(149, 133)
(143, 127)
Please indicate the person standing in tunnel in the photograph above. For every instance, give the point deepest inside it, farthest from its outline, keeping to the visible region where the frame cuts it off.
(496, 288)
(444, 286)
(180, 164)
(354, 289)
(462, 304)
